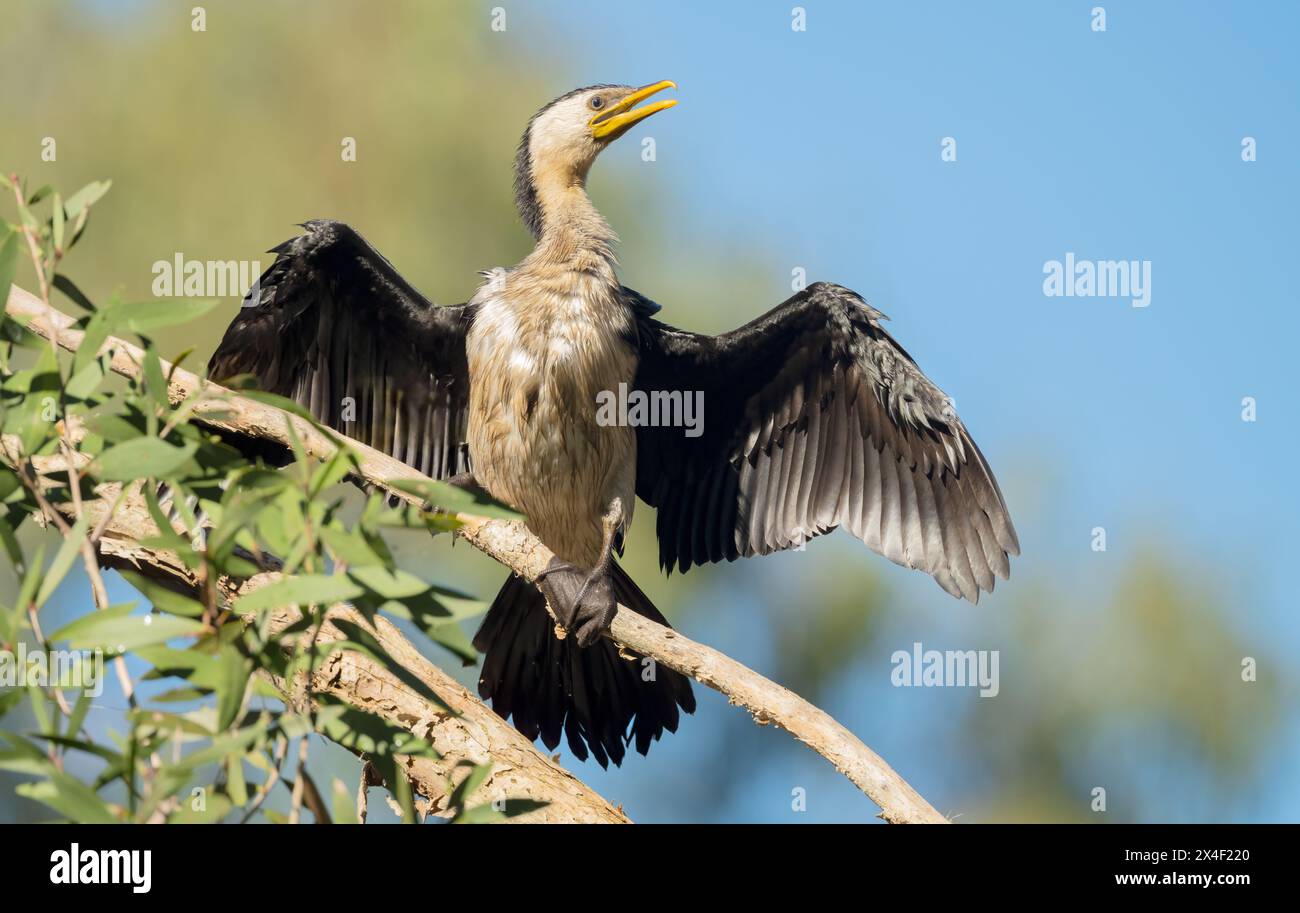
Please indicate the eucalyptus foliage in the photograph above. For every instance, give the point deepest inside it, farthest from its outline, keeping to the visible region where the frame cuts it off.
(198, 750)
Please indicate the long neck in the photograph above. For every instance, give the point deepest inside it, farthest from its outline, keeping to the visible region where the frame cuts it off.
(570, 230)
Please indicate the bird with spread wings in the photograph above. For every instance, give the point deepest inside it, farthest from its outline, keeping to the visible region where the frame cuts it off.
(814, 418)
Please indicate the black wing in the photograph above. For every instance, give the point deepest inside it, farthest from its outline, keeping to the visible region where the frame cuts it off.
(333, 326)
(814, 417)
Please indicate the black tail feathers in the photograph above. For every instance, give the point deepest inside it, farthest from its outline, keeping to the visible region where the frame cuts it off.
(599, 700)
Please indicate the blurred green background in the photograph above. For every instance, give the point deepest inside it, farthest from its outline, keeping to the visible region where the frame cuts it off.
(1120, 670)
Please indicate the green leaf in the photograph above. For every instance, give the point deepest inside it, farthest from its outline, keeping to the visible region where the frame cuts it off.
(31, 580)
(116, 630)
(456, 500)
(23, 756)
(56, 225)
(364, 732)
(452, 637)
(9, 699)
(15, 332)
(147, 316)
(332, 471)
(98, 329)
(466, 788)
(78, 228)
(479, 814)
(69, 797)
(281, 523)
(9, 483)
(79, 712)
(215, 807)
(115, 429)
(236, 785)
(235, 670)
(29, 220)
(199, 669)
(342, 804)
(305, 590)
(151, 723)
(8, 263)
(144, 456)
(389, 584)
(350, 546)
(228, 744)
(98, 751)
(163, 598)
(301, 462)
(34, 417)
(439, 617)
(85, 197)
(517, 807)
(490, 812)
(154, 382)
(85, 380)
(181, 695)
(165, 783)
(40, 708)
(69, 288)
(171, 539)
(9, 538)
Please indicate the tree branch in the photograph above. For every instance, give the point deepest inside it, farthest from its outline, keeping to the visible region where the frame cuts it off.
(471, 732)
(512, 544)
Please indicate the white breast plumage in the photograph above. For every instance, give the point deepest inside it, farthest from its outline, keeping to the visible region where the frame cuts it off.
(538, 358)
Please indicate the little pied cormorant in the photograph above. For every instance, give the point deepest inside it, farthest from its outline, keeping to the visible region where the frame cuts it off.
(815, 418)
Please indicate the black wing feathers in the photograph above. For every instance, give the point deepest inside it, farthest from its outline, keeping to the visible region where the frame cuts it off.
(814, 417)
(333, 326)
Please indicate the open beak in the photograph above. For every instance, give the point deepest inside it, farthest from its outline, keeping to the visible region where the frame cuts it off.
(616, 119)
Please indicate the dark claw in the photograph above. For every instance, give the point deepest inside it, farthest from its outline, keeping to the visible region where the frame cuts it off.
(596, 608)
(584, 602)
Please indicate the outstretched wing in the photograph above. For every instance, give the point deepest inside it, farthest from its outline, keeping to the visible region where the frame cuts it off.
(813, 418)
(333, 326)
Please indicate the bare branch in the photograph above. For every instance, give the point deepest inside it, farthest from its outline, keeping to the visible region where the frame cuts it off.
(470, 732)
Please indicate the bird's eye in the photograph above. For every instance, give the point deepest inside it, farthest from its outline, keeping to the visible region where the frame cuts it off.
(597, 103)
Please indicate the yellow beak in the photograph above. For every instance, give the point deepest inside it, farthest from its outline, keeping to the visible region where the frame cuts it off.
(616, 119)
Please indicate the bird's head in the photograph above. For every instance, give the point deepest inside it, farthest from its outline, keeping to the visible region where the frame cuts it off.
(564, 138)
